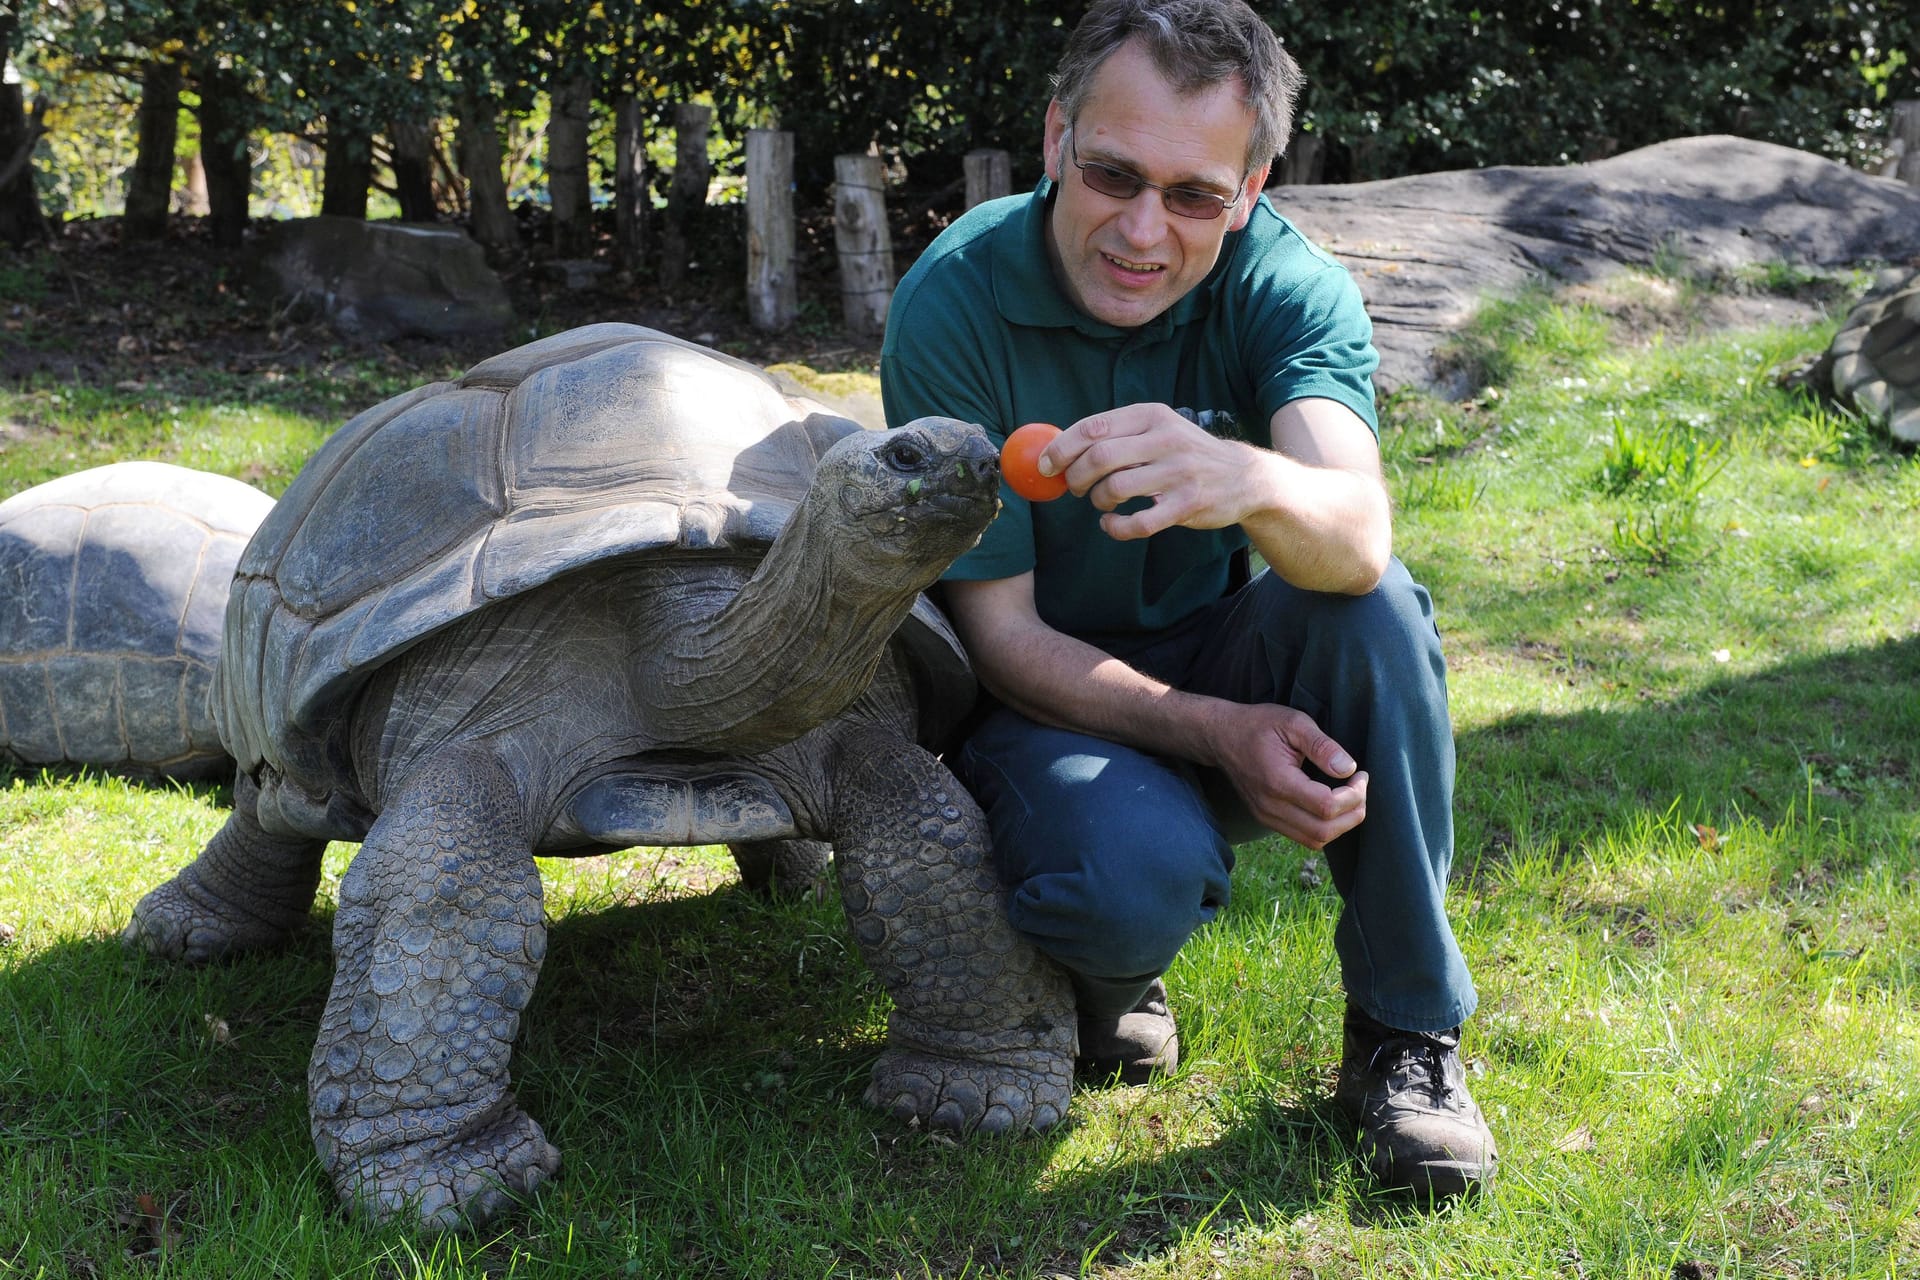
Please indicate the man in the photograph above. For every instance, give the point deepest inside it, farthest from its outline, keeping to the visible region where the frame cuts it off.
(1150, 704)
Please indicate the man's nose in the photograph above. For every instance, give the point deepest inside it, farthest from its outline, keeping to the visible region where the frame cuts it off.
(1143, 221)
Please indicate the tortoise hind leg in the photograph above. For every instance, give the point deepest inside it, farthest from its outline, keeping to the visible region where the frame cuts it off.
(247, 891)
(783, 868)
(437, 946)
(982, 1030)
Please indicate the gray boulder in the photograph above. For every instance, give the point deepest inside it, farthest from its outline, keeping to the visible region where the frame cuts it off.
(1426, 249)
(381, 280)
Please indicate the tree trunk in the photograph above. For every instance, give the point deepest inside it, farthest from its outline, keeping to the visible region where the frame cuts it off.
(772, 294)
(413, 170)
(150, 187)
(20, 216)
(567, 166)
(481, 163)
(630, 202)
(225, 122)
(349, 171)
(864, 242)
(688, 194)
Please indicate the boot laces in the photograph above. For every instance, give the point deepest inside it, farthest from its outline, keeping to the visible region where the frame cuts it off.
(1417, 1060)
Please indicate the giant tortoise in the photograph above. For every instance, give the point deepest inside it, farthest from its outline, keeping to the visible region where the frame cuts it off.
(113, 582)
(1875, 356)
(607, 589)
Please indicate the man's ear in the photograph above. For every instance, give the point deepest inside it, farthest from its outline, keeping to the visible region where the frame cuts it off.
(1053, 146)
(1255, 184)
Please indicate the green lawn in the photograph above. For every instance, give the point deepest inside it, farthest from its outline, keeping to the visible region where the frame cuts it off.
(1683, 614)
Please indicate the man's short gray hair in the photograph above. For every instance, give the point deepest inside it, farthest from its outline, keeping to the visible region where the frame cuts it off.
(1196, 44)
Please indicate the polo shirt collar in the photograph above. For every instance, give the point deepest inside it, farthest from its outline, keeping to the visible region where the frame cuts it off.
(1026, 293)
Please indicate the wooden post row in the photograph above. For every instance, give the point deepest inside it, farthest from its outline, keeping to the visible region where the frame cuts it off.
(772, 294)
(864, 241)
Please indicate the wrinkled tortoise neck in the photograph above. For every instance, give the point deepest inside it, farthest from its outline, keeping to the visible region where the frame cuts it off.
(796, 645)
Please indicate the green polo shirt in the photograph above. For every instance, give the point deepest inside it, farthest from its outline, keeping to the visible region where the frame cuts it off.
(979, 330)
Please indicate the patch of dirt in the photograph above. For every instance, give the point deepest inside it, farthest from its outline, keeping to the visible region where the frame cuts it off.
(1643, 305)
(89, 309)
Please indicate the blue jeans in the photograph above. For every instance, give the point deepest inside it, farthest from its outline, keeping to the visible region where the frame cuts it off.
(1114, 856)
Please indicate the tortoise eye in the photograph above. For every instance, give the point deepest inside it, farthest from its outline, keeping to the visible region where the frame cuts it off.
(904, 455)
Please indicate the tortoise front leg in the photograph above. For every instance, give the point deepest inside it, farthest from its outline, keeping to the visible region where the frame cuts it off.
(437, 946)
(982, 1030)
(248, 890)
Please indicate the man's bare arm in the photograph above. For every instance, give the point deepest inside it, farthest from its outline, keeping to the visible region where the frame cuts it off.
(1314, 505)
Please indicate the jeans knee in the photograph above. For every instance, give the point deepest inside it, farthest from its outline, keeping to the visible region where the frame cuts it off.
(1127, 909)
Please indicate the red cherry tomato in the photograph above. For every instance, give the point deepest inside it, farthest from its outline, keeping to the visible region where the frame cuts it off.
(1020, 463)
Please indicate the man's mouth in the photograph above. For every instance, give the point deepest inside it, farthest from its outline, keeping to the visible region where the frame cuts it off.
(1127, 264)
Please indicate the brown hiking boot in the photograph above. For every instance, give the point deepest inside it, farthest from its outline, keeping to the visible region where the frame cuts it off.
(1419, 1128)
(1136, 1046)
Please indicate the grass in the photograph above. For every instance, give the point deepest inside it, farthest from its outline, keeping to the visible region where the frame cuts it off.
(1689, 839)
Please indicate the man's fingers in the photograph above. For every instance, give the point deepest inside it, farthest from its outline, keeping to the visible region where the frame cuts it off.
(1149, 520)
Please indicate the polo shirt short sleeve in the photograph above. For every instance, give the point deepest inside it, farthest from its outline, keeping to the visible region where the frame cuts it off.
(978, 330)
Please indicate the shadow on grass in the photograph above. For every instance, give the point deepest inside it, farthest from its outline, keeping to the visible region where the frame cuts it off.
(700, 1062)
(1835, 738)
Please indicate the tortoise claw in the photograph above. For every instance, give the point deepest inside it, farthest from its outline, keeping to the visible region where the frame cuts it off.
(967, 1095)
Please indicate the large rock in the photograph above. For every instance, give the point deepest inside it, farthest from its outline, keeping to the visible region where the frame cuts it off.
(383, 280)
(1426, 249)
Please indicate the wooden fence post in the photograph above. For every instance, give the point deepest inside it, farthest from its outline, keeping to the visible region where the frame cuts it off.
(989, 176)
(772, 294)
(1905, 124)
(687, 194)
(865, 243)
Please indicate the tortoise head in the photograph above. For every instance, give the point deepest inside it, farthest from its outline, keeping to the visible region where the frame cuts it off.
(916, 496)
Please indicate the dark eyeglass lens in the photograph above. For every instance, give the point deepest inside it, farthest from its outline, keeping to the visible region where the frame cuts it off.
(1109, 181)
(1121, 185)
(1194, 204)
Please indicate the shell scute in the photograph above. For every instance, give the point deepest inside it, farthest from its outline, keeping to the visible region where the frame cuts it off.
(144, 562)
(439, 461)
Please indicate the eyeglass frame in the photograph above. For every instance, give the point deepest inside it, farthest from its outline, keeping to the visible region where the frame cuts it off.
(1167, 193)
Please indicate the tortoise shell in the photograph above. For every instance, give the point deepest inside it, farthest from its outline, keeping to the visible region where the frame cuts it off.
(605, 441)
(113, 583)
(1876, 355)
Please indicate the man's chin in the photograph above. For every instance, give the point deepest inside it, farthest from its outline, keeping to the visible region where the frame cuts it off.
(1126, 311)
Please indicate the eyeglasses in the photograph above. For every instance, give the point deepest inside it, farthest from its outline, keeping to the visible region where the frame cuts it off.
(1118, 184)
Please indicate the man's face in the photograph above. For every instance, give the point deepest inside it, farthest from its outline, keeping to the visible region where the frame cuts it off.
(1126, 261)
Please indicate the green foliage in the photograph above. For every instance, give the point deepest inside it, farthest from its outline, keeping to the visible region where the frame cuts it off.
(1663, 469)
(1406, 88)
(1393, 87)
(1671, 459)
